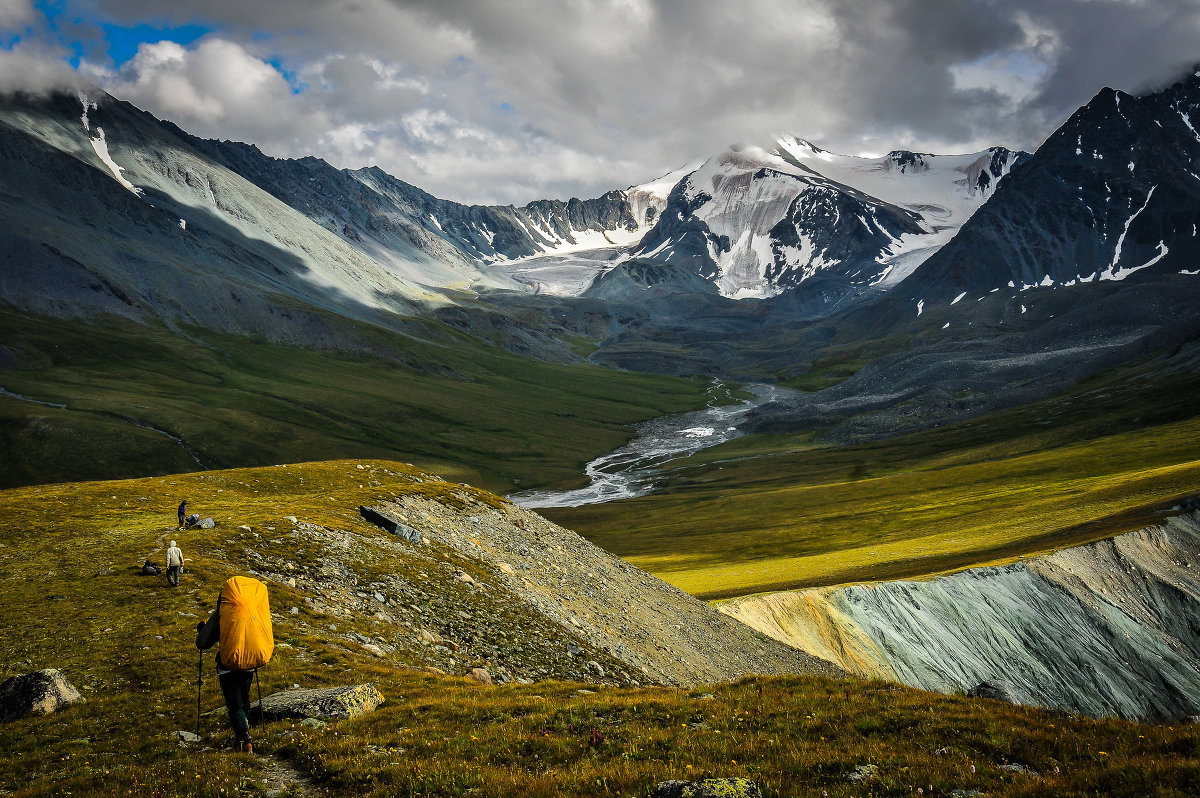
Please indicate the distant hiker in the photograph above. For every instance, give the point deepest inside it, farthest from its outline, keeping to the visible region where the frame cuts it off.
(174, 564)
(150, 569)
(241, 624)
(182, 512)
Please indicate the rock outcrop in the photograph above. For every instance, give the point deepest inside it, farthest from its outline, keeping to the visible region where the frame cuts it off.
(38, 693)
(1107, 629)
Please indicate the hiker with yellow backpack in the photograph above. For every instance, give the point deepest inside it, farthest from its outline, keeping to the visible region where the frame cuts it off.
(241, 625)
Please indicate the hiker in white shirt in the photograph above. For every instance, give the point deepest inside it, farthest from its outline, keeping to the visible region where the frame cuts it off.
(174, 564)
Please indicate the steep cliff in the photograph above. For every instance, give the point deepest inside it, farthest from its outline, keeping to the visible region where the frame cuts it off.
(1108, 629)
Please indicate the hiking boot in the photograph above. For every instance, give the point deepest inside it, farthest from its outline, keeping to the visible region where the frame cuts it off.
(247, 747)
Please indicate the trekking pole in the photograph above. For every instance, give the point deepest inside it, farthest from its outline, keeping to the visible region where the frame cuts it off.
(199, 681)
(260, 706)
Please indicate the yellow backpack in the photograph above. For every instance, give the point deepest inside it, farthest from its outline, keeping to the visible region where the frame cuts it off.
(246, 639)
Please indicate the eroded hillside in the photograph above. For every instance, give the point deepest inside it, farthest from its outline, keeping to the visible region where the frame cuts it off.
(1107, 629)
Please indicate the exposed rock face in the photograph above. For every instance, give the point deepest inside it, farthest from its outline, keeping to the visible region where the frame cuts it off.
(1108, 629)
(37, 693)
(327, 704)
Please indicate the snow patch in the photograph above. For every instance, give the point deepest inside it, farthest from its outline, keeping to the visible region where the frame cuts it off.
(101, 148)
(1114, 272)
(920, 307)
(958, 298)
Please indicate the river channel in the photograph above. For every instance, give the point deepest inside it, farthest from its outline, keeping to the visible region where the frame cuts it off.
(633, 470)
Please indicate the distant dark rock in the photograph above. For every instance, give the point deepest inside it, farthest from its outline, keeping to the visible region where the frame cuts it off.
(707, 788)
(37, 693)
(330, 703)
(997, 689)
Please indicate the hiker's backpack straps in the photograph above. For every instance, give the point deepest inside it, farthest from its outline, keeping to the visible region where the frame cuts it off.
(246, 638)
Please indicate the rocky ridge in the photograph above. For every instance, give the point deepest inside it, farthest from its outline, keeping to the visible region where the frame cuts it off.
(495, 586)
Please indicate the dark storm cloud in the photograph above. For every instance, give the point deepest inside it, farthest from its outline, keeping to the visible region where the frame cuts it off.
(487, 101)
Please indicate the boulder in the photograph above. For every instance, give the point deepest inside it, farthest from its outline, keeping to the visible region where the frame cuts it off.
(37, 693)
(207, 523)
(329, 703)
(863, 774)
(996, 689)
(480, 675)
(707, 788)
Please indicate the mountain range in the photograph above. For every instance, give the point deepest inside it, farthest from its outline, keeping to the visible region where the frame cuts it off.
(954, 284)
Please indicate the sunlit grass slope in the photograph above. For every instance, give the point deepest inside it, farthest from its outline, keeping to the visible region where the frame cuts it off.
(448, 402)
(72, 600)
(777, 512)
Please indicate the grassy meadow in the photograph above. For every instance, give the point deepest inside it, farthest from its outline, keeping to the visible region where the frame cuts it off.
(73, 600)
(471, 412)
(777, 512)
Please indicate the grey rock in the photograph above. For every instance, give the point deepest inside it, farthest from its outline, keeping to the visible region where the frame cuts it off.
(38, 693)
(314, 723)
(187, 737)
(863, 774)
(388, 522)
(330, 703)
(707, 788)
(1013, 767)
(207, 523)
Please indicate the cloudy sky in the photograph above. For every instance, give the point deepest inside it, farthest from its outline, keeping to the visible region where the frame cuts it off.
(512, 100)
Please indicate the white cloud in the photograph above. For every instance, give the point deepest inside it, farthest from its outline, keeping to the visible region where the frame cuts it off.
(16, 14)
(36, 68)
(483, 101)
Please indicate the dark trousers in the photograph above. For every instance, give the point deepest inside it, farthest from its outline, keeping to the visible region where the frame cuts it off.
(173, 576)
(235, 685)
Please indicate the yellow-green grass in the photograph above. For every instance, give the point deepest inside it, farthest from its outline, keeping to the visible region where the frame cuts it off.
(779, 512)
(473, 412)
(127, 641)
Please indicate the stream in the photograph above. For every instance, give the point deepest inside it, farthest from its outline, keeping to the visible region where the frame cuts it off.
(632, 470)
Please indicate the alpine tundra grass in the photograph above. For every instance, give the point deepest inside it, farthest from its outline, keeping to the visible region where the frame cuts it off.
(779, 512)
(73, 601)
(113, 399)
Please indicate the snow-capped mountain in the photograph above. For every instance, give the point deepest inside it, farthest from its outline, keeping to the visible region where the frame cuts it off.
(1113, 193)
(758, 221)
